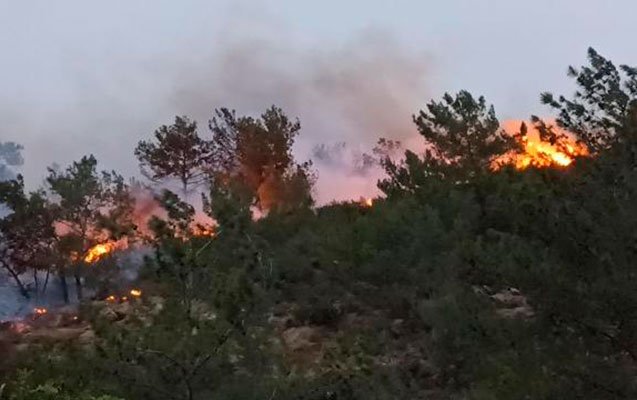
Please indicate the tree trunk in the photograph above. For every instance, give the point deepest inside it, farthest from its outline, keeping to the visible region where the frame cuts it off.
(65, 288)
(23, 290)
(184, 186)
(78, 287)
(46, 280)
(37, 283)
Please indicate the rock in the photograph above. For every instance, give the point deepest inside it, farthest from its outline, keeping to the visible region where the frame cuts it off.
(301, 338)
(202, 312)
(52, 335)
(87, 337)
(397, 327)
(123, 309)
(512, 304)
(524, 312)
(156, 304)
(21, 347)
(109, 314)
(510, 298)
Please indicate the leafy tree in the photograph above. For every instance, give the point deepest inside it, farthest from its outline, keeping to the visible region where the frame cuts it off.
(605, 99)
(463, 132)
(10, 156)
(91, 208)
(175, 253)
(28, 235)
(466, 282)
(176, 152)
(193, 263)
(257, 152)
(462, 137)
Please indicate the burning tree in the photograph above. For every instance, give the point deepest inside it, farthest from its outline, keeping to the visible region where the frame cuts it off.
(91, 208)
(542, 144)
(462, 136)
(256, 155)
(463, 132)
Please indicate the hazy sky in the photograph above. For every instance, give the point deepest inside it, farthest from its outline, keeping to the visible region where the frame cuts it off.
(96, 76)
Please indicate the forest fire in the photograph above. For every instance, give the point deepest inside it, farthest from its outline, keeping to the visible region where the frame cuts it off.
(538, 153)
(203, 230)
(40, 311)
(96, 252)
(133, 293)
(366, 202)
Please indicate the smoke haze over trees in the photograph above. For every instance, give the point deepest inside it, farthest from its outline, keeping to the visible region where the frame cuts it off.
(473, 277)
(339, 94)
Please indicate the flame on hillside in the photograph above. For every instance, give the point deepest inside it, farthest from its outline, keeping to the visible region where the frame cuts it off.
(133, 293)
(538, 153)
(203, 230)
(98, 251)
(366, 202)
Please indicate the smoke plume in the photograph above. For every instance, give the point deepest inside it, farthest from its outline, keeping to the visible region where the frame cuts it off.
(354, 92)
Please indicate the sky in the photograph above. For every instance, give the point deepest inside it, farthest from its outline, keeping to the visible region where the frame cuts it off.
(83, 77)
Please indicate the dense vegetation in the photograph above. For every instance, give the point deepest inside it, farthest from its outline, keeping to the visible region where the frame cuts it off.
(407, 299)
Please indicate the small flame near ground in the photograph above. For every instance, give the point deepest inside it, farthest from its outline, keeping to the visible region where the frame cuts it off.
(40, 311)
(134, 293)
(538, 153)
(366, 202)
(100, 250)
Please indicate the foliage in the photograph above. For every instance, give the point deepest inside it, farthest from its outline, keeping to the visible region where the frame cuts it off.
(50, 390)
(10, 156)
(177, 152)
(90, 208)
(605, 99)
(465, 282)
(28, 235)
(257, 152)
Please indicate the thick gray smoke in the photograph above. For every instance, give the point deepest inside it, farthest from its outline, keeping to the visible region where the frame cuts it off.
(354, 92)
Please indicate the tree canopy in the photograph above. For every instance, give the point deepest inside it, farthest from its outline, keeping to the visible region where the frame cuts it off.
(177, 152)
(465, 281)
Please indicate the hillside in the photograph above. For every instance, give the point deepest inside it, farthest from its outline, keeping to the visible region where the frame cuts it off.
(491, 267)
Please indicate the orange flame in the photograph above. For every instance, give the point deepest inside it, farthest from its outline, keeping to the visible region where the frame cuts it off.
(98, 251)
(366, 202)
(136, 293)
(538, 153)
(203, 230)
(40, 311)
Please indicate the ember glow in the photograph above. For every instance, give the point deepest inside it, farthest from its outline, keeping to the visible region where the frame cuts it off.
(40, 311)
(136, 293)
(538, 153)
(366, 202)
(203, 230)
